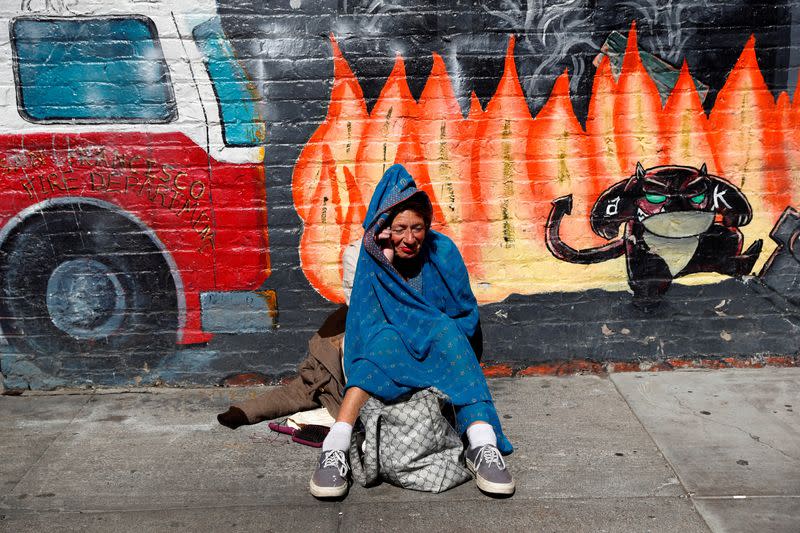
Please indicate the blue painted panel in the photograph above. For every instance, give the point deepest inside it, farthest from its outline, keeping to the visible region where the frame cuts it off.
(235, 312)
(237, 96)
(91, 70)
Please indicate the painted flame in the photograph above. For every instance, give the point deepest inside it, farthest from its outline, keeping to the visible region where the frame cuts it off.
(637, 106)
(492, 175)
(746, 139)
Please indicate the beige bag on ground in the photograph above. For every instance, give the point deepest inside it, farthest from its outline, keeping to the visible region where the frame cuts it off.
(409, 443)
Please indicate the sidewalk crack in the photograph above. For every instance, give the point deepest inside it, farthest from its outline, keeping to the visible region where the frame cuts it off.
(7, 498)
(756, 438)
(688, 495)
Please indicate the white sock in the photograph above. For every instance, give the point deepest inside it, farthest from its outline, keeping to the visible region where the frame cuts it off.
(481, 434)
(338, 438)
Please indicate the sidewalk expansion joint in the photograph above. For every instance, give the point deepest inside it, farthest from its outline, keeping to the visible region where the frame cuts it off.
(50, 445)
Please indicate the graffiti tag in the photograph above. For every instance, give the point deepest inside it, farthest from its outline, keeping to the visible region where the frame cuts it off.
(720, 197)
(111, 172)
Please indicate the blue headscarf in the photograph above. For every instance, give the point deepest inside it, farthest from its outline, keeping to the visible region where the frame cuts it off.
(400, 339)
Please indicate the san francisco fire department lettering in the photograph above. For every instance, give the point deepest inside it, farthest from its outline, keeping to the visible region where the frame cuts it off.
(100, 170)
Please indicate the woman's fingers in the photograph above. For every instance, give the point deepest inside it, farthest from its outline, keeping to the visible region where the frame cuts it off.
(383, 238)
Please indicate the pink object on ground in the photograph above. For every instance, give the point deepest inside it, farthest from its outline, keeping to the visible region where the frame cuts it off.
(287, 430)
(308, 435)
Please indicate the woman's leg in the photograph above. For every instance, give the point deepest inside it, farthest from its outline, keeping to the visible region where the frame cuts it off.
(330, 477)
(339, 436)
(485, 412)
(482, 455)
(353, 400)
(481, 433)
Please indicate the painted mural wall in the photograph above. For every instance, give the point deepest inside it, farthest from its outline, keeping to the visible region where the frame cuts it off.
(179, 182)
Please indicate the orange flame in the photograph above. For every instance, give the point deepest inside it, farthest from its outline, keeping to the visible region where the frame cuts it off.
(505, 203)
(747, 142)
(558, 164)
(445, 139)
(789, 113)
(326, 195)
(685, 125)
(341, 132)
(492, 175)
(637, 106)
(321, 241)
(603, 157)
(389, 126)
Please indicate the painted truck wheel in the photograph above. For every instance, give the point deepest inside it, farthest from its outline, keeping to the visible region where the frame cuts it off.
(80, 280)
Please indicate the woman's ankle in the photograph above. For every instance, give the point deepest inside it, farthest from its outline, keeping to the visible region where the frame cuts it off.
(338, 437)
(480, 434)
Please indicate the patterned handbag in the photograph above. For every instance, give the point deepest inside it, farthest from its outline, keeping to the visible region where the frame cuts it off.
(408, 443)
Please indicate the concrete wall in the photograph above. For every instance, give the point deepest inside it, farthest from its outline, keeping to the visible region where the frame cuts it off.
(167, 216)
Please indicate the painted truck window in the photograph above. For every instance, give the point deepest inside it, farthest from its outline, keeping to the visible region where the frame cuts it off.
(91, 70)
(238, 99)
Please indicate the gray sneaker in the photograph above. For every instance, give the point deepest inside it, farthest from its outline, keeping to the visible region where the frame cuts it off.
(330, 477)
(489, 468)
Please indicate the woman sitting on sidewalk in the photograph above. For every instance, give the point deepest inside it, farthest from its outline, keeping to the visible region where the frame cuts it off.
(412, 315)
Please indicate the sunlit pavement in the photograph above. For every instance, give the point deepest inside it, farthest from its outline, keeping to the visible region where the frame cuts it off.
(675, 451)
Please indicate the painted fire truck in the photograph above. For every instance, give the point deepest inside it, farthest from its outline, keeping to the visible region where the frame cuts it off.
(132, 195)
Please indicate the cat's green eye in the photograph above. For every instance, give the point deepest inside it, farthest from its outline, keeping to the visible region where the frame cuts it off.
(698, 199)
(655, 198)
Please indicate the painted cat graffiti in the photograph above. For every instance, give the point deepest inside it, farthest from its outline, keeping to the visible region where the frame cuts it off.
(678, 220)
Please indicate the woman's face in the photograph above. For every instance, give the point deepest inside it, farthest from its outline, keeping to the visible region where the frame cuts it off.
(407, 233)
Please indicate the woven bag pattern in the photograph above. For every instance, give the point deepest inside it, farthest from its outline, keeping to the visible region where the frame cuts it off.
(409, 443)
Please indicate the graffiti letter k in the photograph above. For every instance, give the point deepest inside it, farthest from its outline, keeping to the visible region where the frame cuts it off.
(720, 197)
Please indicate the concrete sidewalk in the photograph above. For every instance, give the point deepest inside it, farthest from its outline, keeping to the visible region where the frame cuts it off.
(678, 451)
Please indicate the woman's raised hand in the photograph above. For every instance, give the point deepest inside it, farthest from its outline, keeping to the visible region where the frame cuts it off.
(384, 240)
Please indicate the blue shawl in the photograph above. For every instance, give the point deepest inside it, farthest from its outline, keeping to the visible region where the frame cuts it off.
(399, 339)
